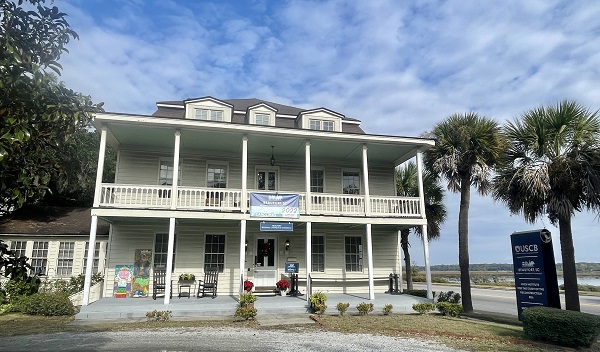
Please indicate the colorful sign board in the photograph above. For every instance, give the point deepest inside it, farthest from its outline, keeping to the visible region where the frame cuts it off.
(276, 226)
(123, 279)
(274, 205)
(292, 268)
(534, 268)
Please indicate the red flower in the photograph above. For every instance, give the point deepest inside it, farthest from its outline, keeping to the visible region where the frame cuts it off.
(248, 285)
(282, 285)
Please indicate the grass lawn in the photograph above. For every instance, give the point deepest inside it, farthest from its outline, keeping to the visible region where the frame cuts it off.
(463, 333)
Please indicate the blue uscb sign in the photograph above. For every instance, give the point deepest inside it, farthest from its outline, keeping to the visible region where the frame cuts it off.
(292, 268)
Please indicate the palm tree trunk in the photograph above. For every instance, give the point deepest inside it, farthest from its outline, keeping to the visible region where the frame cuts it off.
(463, 244)
(568, 260)
(404, 243)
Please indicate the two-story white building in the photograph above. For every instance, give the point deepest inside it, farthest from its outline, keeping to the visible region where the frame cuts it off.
(199, 183)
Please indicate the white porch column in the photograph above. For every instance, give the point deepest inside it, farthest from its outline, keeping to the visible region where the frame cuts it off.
(170, 246)
(100, 169)
(370, 263)
(308, 198)
(427, 265)
(174, 192)
(90, 261)
(365, 165)
(244, 204)
(399, 266)
(308, 259)
(242, 254)
(423, 215)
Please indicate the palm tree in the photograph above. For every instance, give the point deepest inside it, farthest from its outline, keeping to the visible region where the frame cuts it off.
(552, 166)
(435, 210)
(468, 147)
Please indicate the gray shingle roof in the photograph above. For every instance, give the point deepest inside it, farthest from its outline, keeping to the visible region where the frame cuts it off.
(51, 221)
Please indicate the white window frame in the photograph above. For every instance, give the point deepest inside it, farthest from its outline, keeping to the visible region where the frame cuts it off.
(21, 251)
(96, 261)
(325, 123)
(37, 257)
(166, 250)
(224, 253)
(64, 261)
(222, 164)
(359, 256)
(206, 114)
(259, 119)
(323, 254)
(265, 168)
(359, 180)
(312, 188)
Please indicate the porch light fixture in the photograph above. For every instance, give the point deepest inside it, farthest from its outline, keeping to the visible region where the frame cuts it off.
(287, 245)
(272, 157)
(246, 247)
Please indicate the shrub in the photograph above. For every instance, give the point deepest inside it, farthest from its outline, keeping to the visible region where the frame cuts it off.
(387, 309)
(246, 312)
(317, 302)
(48, 304)
(74, 285)
(450, 296)
(16, 288)
(364, 308)
(563, 327)
(342, 307)
(423, 308)
(247, 298)
(159, 315)
(450, 309)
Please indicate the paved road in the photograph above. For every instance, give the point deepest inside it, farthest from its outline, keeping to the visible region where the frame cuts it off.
(215, 339)
(505, 301)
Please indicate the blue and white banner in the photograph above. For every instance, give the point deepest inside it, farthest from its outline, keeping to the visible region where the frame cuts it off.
(269, 205)
(277, 226)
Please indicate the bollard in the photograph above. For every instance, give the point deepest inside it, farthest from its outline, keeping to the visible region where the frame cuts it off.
(391, 284)
(396, 287)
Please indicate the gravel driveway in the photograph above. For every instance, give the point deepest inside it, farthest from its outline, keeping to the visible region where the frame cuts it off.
(215, 339)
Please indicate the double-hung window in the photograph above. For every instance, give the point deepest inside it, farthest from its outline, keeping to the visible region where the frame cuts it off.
(263, 119)
(161, 249)
(217, 176)
(165, 177)
(351, 182)
(39, 257)
(209, 115)
(18, 248)
(214, 252)
(317, 184)
(321, 125)
(354, 253)
(64, 266)
(318, 253)
(96, 262)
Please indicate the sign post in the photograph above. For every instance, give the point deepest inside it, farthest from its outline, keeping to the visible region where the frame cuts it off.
(534, 268)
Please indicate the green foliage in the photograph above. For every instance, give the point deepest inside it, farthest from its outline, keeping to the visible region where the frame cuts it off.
(247, 297)
(47, 304)
(387, 309)
(159, 315)
(16, 288)
(364, 308)
(246, 312)
(38, 114)
(449, 309)
(317, 302)
(563, 327)
(424, 307)
(417, 293)
(450, 296)
(342, 307)
(72, 286)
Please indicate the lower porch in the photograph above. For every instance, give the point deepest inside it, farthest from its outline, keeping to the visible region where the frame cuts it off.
(224, 306)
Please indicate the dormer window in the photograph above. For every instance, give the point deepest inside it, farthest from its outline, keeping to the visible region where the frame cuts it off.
(321, 125)
(263, 119)
(209, 115)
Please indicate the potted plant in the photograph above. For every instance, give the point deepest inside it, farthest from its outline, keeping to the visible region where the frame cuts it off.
(282, 286)
(247, 299)
(248, 285)
(186, 277)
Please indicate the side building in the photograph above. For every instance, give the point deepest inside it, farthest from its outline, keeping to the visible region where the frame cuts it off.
(246, 186)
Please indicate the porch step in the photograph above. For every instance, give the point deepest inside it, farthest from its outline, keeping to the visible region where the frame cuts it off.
(265, 290)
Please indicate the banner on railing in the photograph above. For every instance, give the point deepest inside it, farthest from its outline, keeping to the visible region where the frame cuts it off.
(270, 205)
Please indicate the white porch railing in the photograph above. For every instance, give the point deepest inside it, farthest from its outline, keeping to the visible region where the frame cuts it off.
(228, 199)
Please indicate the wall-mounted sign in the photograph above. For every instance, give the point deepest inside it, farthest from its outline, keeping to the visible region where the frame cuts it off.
(292, 268)
(276, 226)
(534, 268)
(274, 205)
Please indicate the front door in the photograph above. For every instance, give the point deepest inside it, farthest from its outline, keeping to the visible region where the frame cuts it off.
(267, 180)
(265, 271)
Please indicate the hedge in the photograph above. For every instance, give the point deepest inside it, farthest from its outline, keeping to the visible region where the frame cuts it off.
(563, 327)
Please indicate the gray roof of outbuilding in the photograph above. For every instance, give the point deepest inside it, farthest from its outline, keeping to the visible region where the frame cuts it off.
(51, 221)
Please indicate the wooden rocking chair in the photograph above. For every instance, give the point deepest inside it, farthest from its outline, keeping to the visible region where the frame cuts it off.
(211, 277)
(159, 282)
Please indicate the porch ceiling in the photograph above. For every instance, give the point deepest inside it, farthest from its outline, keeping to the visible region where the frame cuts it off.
(288, 143)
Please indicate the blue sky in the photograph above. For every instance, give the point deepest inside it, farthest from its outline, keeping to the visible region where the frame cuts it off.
(399, 66)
